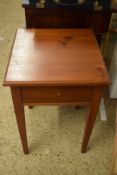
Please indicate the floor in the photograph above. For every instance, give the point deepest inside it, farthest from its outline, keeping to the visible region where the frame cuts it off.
(54, 133)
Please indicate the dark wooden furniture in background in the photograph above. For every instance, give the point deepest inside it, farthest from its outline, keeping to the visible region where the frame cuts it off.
(65, 18)
(50, 67)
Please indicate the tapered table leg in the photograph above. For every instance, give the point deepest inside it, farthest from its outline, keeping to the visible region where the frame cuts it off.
(20, 116)
(90, 120)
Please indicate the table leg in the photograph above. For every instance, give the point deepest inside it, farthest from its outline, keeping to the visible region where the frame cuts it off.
(91, 118)
(20, 116)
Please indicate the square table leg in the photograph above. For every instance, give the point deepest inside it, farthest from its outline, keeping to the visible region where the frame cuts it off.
(20, 116)
(90, 120)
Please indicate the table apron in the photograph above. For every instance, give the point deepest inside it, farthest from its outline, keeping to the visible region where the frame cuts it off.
(57, 94)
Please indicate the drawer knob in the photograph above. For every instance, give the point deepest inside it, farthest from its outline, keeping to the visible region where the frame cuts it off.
(58, 93)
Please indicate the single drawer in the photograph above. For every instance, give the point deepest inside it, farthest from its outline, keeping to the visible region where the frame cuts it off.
(57, 94)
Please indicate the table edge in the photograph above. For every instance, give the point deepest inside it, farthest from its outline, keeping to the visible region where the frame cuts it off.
(53, 83)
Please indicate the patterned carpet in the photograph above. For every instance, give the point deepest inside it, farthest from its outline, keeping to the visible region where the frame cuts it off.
(54, 133)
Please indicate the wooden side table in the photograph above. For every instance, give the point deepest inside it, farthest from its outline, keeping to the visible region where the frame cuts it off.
(56, 67)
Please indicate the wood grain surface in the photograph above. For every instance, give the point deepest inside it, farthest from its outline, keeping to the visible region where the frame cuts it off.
(56, 56)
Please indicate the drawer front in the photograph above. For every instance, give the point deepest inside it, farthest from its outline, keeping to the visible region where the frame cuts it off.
(56, 94)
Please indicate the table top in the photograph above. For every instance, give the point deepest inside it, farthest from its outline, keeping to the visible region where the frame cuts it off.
(55, 57)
